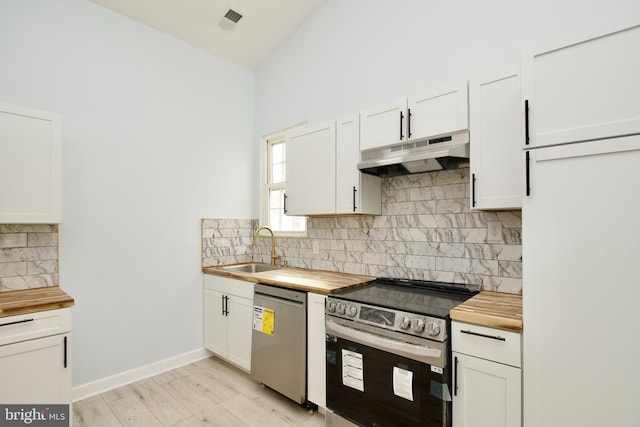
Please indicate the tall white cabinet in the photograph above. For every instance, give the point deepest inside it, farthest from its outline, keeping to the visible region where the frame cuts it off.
(583, 90)
(581, 234)
(30, 165)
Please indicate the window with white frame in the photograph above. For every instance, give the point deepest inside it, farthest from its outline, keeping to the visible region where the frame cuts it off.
(274, 191)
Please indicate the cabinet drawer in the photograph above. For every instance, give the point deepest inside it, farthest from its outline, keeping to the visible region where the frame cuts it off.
(29, 326)
(487, 343)
(228, 286)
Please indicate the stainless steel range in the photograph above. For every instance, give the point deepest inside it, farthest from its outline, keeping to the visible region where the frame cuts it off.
(388, 353)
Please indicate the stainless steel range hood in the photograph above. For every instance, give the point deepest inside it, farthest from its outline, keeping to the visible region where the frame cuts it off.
(444, 152)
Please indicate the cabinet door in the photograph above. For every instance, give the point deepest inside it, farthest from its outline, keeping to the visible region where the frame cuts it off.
(497, 133)
(30, 159)
(438, 112)
(316, 352)
(585, 90)
(311, 170)
(36, 371)
(239, 331)
(580, 252)
(488, 394)
(383, 125)
(215, 322)
(356, 192)
(347, 156)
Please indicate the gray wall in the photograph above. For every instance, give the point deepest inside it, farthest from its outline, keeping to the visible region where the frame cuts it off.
(149, 127)
(358, 53)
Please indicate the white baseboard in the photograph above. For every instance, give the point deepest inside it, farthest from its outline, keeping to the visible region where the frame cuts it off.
(127, 377)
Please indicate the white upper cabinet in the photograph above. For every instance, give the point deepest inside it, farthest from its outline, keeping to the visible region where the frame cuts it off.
(496, 132)
(383, 125)
(30, 166)
(311, 170)
(428, 114)
(583, 90)
(322, 172)
(438, 112)
(356, 192)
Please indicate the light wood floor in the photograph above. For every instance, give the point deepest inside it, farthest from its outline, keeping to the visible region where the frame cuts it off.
(209, 392)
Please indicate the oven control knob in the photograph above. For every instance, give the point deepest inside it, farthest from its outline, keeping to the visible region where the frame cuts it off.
(342, 308)
(419, 326)
(352, 310)
(433, 329)
(405, 322)
(331, 306)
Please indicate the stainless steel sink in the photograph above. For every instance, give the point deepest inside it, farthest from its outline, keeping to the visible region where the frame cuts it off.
(253, 267)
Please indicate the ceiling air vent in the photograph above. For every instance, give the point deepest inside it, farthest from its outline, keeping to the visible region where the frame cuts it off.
(229, 20)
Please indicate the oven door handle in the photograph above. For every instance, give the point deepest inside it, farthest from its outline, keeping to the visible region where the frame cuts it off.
(383, 343)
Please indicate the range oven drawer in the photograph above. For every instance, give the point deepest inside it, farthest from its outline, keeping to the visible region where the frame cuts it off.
(499, 345)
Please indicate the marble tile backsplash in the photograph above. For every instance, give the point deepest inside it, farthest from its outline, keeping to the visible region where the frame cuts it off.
(426, 231)
(227, 241)
(28, 256)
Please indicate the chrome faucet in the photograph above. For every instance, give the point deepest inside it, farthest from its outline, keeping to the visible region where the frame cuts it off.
(274, 257)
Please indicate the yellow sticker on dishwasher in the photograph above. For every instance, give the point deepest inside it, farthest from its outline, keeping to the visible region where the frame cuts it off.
(268, 320)
(263, 319)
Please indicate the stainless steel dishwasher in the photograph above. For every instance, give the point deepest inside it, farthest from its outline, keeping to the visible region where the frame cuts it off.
(279, 340)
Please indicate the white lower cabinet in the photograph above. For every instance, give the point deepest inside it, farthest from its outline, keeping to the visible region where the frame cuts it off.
(35, 358)
(487, 376)
(316, 372)
(228, 312)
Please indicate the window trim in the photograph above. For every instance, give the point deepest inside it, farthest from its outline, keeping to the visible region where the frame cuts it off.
(265, 185)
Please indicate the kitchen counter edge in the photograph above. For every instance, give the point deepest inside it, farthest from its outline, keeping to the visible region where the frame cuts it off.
(492, 309)
(24, 301)
(301, 279)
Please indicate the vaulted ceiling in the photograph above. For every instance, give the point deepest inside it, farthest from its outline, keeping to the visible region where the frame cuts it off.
(246, 36)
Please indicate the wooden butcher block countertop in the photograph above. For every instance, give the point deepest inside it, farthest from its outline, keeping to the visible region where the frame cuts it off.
(31, 300)
(492, 309)
(302, 279)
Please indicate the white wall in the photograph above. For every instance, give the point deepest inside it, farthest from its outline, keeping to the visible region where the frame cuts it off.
(157, 134)
(358, 53)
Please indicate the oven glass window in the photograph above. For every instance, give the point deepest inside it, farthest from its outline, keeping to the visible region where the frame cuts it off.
(384, 389)
(381, 317)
